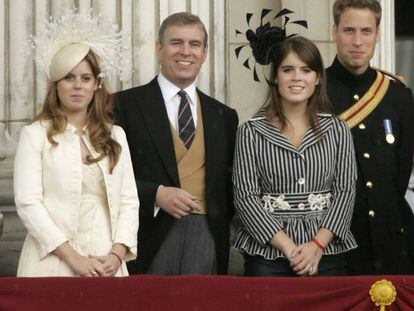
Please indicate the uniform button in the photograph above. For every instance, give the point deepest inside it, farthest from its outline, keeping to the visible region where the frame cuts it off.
(371, 213)
(301, 181)
(356, 97)
(402, 230)
(301, 206)
(369, 184)
(362, 126)
(367, 155)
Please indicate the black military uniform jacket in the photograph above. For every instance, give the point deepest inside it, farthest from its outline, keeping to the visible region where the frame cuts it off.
(382, 223)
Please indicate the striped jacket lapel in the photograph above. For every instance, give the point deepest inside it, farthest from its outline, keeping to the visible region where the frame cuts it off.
(311, 137)
(273, 134)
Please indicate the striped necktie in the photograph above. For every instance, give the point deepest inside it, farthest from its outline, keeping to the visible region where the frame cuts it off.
(186, 129)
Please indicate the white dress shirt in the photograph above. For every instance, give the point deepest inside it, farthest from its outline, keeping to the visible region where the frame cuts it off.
(172, 99)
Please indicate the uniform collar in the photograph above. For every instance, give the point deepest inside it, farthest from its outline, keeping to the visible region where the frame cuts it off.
(350, 79)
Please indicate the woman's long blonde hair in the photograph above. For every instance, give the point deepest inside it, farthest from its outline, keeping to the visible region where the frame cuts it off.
(100, 120)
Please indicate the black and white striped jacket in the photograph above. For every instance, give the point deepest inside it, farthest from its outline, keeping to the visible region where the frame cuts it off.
(277, 186)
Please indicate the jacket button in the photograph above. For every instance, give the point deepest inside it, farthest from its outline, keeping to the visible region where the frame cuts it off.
(356, 97)
(402, 230)
(371, 213)
(362, 126)
(367, 155)
(369, 184)
(301, 181)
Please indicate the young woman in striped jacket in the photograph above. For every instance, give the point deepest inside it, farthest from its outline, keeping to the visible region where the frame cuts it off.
(294, 173)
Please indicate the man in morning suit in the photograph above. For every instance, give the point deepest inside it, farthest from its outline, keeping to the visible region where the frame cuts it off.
(379, 111)
(181, 143)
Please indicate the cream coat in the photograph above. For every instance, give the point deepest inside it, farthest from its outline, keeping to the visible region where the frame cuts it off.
(47, 188)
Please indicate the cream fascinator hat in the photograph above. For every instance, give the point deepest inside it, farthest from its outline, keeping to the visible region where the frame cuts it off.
(63, 42)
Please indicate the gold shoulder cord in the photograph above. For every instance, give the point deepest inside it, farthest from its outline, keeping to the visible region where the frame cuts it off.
(362, 108)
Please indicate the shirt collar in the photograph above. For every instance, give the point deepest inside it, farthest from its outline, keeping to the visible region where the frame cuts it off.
(169, 89)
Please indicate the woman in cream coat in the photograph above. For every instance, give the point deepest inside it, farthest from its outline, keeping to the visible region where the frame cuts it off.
(74, 185)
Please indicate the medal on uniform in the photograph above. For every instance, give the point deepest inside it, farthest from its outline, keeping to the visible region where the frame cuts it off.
(389, 136)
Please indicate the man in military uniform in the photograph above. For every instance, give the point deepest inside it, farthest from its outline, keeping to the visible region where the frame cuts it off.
(380, 113)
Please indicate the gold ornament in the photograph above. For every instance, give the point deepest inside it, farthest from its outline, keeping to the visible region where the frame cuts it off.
(383, 293)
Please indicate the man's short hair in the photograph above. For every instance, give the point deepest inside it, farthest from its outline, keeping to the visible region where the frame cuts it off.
(181, 19)
(341, 5)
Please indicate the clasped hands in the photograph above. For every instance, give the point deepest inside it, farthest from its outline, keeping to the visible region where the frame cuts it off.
(93, 266)
(304, 259)
(90, 266)
(109, 264)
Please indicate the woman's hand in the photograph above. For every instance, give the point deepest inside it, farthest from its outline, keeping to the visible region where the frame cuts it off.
(85, 266)
(305, 259)
(307, 256)
(282, 241)
(110, 264)
(113, 260)
(81, 265)
(289, 251)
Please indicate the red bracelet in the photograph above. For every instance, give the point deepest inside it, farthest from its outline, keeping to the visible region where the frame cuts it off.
(117, 256)
(319, 245)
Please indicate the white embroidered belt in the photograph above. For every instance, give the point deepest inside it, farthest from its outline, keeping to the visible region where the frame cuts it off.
(309, 201)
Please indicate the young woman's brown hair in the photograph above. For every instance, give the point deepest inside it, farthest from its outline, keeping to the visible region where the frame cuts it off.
(310, 55)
